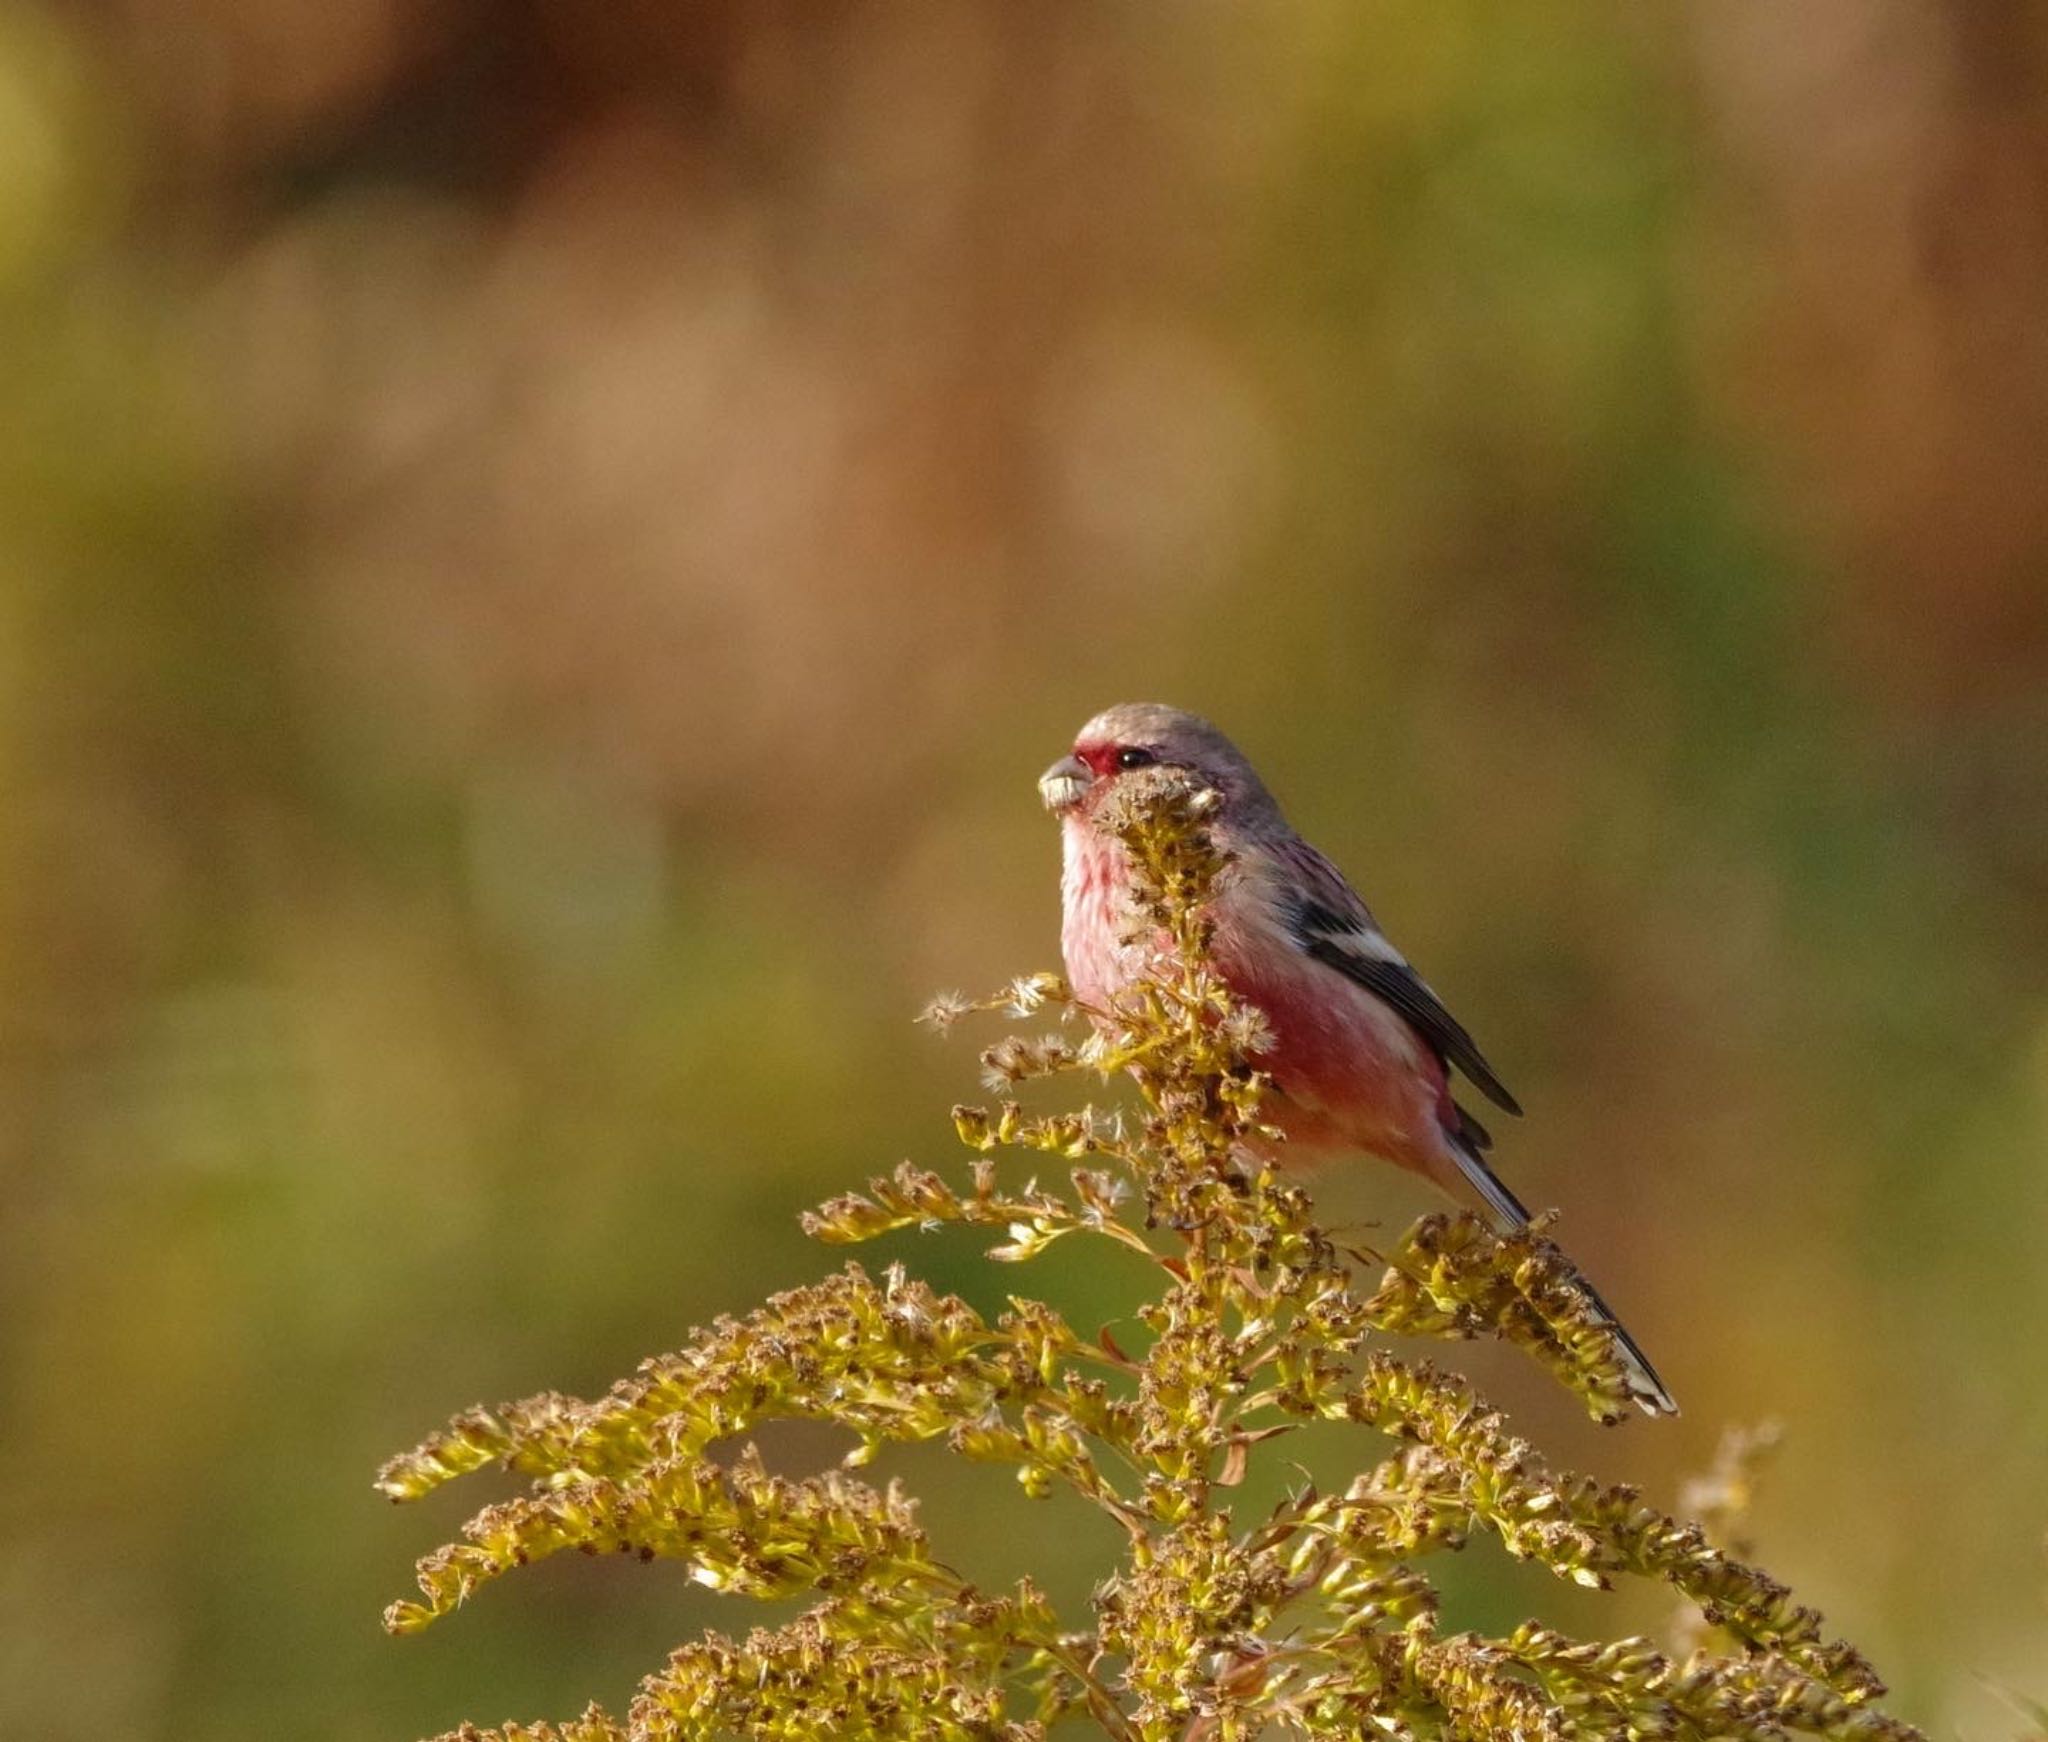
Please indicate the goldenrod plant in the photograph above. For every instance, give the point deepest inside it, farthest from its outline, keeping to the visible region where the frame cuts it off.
(1316, 1618)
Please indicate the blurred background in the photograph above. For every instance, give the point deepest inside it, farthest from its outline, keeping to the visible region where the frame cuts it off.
(543, 546)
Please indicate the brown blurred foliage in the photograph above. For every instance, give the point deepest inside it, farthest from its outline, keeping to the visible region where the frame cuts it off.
(541, 547)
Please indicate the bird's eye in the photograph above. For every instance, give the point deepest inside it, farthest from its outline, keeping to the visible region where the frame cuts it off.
(1135, 756)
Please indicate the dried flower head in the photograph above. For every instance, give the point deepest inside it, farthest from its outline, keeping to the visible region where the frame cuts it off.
(1317, 1618)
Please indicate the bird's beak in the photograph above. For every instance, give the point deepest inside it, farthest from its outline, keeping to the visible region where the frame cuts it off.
(1062, 785)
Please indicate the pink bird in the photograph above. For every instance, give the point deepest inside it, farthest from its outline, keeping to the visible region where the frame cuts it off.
(1362, 1049)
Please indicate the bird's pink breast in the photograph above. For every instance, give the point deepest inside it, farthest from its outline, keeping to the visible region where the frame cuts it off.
(1351, 1074)
(1094, 916)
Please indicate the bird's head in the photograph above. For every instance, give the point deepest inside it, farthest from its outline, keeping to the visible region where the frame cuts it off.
(1135, 735)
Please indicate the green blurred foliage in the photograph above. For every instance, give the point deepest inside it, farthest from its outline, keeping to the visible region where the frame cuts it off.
(541, 548)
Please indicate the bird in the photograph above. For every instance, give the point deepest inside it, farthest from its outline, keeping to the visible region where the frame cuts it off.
(1361, 1050)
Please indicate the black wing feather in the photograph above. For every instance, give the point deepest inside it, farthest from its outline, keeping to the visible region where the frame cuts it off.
(1400, 987)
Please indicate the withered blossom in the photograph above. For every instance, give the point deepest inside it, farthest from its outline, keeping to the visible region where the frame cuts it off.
(1317, 1619)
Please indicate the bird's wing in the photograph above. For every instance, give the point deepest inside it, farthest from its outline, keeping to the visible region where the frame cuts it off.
(1333, 925)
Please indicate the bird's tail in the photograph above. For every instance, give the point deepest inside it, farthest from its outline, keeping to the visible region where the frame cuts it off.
(1505, 1211)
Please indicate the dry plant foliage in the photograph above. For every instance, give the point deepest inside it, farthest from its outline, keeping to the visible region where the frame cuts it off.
(1316, 1619)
